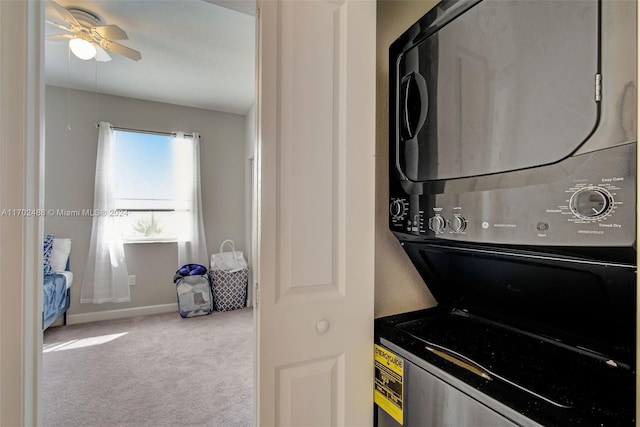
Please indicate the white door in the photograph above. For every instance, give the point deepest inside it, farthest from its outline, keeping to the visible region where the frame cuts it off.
(316, 144)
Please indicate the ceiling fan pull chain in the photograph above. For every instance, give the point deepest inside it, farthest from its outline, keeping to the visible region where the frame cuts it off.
(68, 87)
(96, 88)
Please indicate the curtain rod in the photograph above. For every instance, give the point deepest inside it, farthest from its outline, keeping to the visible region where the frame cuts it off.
(151, 132)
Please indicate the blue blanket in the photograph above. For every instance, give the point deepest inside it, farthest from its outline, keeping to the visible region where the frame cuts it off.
(55, 298)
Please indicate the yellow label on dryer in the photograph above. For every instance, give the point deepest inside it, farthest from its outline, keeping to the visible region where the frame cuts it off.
(389, 382)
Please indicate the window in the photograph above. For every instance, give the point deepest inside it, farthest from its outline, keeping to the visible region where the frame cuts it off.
(156, 181)
(149, 184)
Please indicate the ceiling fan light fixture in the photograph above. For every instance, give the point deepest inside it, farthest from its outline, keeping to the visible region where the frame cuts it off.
(82, 48)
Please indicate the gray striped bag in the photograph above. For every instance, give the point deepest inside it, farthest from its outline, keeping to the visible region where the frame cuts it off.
(229, 276)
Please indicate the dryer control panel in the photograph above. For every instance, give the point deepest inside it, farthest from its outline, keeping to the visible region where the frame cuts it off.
(587, 200)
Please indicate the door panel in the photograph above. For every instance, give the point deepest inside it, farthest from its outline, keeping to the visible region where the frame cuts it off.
(316, 121)
(309, 393)
(309, 150)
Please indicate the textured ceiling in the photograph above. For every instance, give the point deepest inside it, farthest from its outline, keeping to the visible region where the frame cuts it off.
(194, 53)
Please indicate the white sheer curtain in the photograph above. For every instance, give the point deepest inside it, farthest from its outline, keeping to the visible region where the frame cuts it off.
(105, 275)
(192, 246)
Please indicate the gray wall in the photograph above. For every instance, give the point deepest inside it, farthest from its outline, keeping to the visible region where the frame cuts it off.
(70, 156)
(398, 287)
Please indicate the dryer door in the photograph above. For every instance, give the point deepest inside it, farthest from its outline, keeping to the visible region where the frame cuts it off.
(504, 86)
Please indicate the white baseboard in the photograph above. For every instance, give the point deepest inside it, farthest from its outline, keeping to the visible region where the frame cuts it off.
(73, 319)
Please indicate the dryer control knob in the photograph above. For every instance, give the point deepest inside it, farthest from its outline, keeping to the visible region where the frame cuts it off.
(591, 203)
(437, 224)
(458, 224)
(396, 209)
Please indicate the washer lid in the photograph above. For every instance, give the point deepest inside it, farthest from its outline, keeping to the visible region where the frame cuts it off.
(579, 302)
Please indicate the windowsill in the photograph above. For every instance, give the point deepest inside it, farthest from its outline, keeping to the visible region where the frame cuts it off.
(135, 242)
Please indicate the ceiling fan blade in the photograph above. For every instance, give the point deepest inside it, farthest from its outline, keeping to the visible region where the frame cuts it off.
(111, 32)
(59, 37)
(121, 50)
(54, 9)
(59, 26)
(102, 55)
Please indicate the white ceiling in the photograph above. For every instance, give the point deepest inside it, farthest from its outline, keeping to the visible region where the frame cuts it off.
(194, 53)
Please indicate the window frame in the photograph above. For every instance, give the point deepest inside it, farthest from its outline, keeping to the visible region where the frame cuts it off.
(126, 232)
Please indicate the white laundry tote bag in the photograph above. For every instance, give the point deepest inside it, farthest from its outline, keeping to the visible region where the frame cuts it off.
(229, 276)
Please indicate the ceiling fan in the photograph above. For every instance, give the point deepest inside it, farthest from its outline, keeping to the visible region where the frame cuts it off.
(87, 38)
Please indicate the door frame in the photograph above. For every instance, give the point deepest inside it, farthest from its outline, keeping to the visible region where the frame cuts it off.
(21, 175)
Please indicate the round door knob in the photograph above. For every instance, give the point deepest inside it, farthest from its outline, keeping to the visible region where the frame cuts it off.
(322, 326)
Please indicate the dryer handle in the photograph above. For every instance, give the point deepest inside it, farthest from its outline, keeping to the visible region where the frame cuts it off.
(413, 104)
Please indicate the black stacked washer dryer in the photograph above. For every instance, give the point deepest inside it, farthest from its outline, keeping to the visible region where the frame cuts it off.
(513, 192)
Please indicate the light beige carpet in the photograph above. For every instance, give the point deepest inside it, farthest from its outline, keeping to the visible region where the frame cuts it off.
(158, 370)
